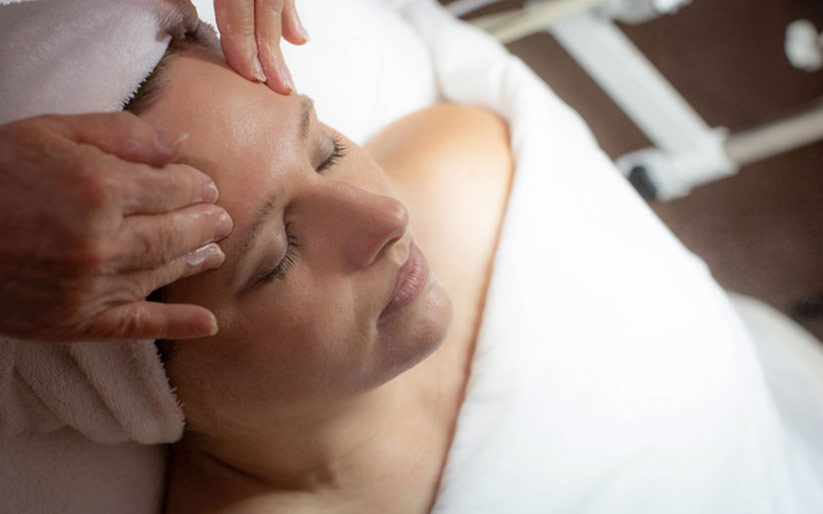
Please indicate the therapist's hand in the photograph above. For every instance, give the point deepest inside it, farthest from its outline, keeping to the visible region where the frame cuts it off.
(94, 216)
(250, 32)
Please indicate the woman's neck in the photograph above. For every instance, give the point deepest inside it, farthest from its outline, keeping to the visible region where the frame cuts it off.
(381, 452)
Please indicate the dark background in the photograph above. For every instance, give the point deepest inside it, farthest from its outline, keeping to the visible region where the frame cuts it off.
(761, 231)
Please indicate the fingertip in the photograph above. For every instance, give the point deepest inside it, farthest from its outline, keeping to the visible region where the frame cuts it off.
(241, 58)
(257, 70)
(209, 192)
(297, 36)
(202, 323)
(293, 30)
(279, 76)
(283, 83)
(211, 324)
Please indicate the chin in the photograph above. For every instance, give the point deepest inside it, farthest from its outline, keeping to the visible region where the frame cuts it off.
(422, 331)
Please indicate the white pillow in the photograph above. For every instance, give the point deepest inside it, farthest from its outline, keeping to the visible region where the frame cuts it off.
(379, 72)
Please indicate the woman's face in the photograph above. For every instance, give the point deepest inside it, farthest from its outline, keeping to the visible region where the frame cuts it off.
(310, 330)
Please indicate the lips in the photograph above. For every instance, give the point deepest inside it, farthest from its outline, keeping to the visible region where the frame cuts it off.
(411, 279)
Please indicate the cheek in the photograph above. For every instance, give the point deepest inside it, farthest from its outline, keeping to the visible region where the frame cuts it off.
(306, 337)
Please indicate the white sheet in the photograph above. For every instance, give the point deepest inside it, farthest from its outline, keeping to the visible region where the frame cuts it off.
(612, 373)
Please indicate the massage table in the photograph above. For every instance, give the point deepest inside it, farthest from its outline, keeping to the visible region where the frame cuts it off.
(611, 372)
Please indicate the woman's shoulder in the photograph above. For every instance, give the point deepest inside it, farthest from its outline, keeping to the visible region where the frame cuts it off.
(443, 145)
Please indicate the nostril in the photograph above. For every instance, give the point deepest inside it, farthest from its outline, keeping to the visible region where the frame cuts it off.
(390, 228)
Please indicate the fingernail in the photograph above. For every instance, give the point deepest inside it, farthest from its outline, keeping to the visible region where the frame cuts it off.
(210, 193)
(224, 226)
(213, 326)
(170, 142)
(288, 81)
(206, 257)
(300, 27)
(257, 70)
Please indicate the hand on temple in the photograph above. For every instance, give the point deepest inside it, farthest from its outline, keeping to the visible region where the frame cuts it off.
(250, 32)
(94, 216)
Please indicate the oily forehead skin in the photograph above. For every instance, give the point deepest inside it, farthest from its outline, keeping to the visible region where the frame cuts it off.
(245, 137)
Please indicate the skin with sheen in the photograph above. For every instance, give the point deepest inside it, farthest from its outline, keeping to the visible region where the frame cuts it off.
(300, 403)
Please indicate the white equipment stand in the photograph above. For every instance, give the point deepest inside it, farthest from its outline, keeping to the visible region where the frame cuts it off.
(687, 151)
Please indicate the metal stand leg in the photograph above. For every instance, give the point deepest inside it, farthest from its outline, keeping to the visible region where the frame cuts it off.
(688, 152)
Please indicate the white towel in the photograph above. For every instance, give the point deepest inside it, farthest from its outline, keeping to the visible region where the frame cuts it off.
(73, 416)
(110, 392)
(78, 56)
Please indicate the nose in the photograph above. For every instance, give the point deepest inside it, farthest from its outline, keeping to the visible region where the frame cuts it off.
(361, 223)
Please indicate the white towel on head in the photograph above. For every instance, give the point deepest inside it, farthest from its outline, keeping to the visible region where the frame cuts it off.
(77, 56)
(58, 403)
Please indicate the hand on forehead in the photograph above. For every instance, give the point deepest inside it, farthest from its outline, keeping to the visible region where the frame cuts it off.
(250, 36)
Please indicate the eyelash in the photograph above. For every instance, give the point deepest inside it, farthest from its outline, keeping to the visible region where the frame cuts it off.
(338, 153)
(279, 272)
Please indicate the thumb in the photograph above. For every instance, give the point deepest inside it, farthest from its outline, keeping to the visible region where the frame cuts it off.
(124, 135)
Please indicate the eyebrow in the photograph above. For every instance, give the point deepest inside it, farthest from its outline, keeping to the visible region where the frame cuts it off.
(307, 105)
(265, 211)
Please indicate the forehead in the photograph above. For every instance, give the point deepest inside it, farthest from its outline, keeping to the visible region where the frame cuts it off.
(203, 97)
(242, 134)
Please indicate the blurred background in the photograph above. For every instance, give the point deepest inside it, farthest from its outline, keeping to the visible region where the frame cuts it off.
(749, 66)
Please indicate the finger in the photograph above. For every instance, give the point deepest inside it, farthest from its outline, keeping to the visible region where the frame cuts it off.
(124, 135)
(152, 320)
(293, 30)
(268, 27)
(235, 20)
(149, 190)
(148, 242)
(205, 258)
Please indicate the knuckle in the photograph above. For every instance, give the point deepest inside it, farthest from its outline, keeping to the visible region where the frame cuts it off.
(156, 245)
(114, 318)
(71, 302)
(124, 121)
(72, 305)
(96, 185)
(131, 322)
(177, 184)
(86, 254)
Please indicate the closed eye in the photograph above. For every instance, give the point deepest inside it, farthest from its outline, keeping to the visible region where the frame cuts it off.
(338, 152)
(288, 261)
